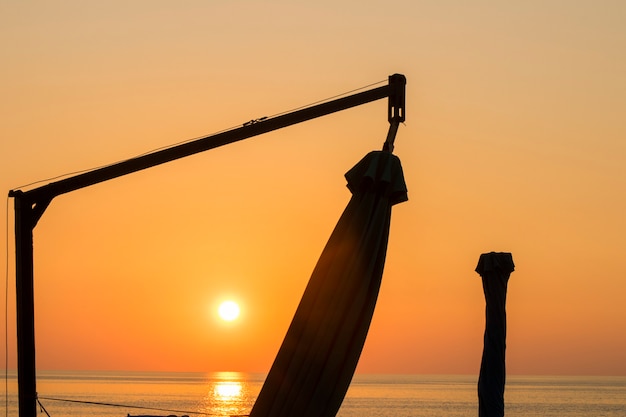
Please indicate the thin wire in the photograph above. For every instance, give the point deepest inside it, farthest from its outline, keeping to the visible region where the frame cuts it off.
(133, 406)
(328, 98)
(196, 138)
(67, 174)
(6, 318)
(43, 408)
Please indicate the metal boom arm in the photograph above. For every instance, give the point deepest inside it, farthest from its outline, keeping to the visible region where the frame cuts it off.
(30, 205)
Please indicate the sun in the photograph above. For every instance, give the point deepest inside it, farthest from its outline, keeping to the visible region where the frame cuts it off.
(228, 310)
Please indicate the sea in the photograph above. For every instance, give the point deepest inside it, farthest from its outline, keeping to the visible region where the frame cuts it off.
(123, 394)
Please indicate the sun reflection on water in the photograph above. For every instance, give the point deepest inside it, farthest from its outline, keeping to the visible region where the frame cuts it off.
(228, 393)
(227, 390)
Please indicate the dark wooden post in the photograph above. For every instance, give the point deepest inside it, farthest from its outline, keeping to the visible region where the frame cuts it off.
(494, 269)
(25, 220)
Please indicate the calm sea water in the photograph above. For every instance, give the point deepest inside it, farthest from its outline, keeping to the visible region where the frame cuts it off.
(232, 394)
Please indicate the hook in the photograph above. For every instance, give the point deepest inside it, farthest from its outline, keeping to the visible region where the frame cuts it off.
(391, 136)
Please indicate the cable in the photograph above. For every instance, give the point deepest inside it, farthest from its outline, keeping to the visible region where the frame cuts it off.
(6, 318)
(67, 174)
(42, 408)
(328, 99)
(198, 137)
(133, 406)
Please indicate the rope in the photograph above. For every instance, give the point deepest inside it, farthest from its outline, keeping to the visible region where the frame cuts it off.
(42, 408)
(200, 137)
(133, 406)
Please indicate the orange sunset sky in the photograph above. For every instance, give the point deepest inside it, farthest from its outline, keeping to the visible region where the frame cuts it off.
(515, 140)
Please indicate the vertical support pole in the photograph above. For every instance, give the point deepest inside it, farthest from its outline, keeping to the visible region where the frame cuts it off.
(25, 220)
(494, 269)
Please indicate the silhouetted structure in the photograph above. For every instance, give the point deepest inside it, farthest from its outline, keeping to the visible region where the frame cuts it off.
(494, 269)
(320, 352)
(31, 204)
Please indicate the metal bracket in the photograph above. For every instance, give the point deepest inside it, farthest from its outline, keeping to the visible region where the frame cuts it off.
(396, 108)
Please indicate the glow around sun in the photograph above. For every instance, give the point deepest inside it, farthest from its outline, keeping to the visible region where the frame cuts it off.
(228, 310)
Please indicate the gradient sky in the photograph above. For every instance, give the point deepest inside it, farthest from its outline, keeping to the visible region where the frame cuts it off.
(515, 140)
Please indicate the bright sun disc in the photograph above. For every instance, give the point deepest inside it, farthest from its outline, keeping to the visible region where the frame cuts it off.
(229, 310)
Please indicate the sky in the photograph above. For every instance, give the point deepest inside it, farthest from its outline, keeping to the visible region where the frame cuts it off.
(514, 141)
